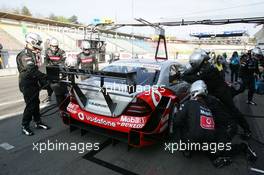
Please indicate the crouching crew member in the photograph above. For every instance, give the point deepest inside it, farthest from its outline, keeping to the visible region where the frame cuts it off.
(204, 119)
(201, 69)
(29, 80)
(195, 120)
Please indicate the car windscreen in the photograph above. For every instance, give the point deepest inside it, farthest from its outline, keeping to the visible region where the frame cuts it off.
(144, 75)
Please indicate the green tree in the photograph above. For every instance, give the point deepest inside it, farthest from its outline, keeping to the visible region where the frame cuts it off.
(25, 11)
(73, 19)
(62, 19)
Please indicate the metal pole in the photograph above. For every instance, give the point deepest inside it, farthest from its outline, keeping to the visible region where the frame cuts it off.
(132, 29)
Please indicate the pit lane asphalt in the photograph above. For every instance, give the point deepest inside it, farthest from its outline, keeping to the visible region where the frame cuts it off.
(11, 99)
(154, 160)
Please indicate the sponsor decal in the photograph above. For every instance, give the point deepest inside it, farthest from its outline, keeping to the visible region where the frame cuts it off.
(100, 121)
(136, 120)
(81, 116)
(86, 60)
(125, 121)
(131, 122)
(54, 58)
(91, 119)
(90, 102)
(207, 122)
(205, 112)
(130, 125)
(72, 108)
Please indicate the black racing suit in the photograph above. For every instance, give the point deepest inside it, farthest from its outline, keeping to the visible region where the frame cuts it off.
(225, 124)
(195, 122)
(218, 88)
(226, 129)
(87, 61)
(56, 58)
(248, 69)
(30, 79)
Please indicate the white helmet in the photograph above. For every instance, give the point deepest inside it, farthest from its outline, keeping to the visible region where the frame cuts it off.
(34, 40)
(198, 57)
(54, 42)
(85, 45)
(256, 51)
(198, 88)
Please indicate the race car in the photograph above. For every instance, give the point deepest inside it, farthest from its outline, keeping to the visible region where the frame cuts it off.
(129, 100)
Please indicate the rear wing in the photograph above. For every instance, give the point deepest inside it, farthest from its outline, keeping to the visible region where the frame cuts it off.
(57, 74)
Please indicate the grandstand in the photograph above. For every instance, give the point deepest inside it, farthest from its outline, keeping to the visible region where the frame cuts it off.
(260, 38)
(14, 27)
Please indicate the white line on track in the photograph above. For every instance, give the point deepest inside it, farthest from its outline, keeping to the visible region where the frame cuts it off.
(19, 113)
(257, 170)
(8, 76)
(11, 102)
(6, 146)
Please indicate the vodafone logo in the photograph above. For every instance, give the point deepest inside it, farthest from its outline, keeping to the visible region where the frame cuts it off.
(96, 120)
(81, 116)
(208, 121)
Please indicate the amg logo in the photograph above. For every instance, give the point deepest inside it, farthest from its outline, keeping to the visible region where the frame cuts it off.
(137, 120)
